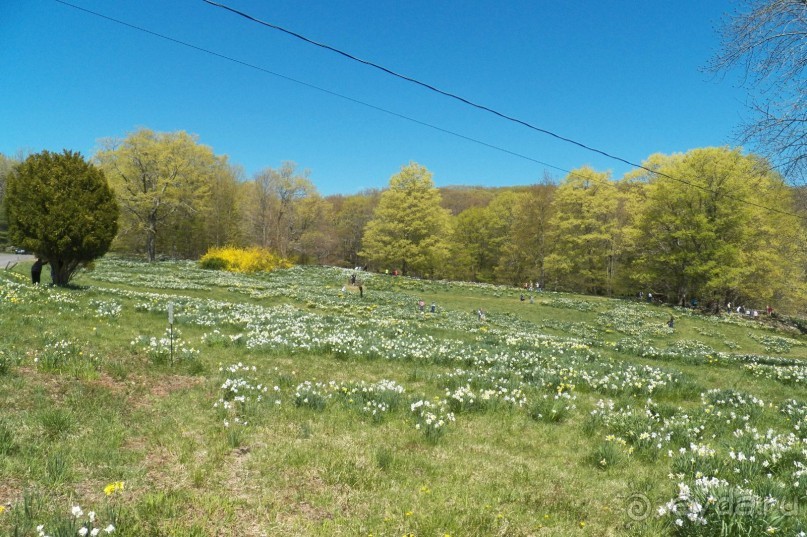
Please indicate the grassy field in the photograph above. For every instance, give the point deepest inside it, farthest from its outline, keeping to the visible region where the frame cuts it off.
(286, 404)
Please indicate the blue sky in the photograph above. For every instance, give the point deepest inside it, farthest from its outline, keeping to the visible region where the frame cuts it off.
(623, 76)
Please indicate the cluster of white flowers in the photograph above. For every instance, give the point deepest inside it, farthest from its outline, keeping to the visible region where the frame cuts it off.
(792, 375)
(171, 345)
(775, 344)
(635, 320)
(465, 399)
(86, 527)
(645, 428)
(431, 417)
(240, 392)
(106, 309)
(687, 506)
(218, 338)
(554, 407)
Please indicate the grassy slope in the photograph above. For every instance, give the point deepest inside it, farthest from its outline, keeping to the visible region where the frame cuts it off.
(84, 407)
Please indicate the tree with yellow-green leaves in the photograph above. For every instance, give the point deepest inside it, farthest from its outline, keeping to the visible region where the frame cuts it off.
(479, 237)
(161, 181)
(409, 228)
(470, 247)
(7, 165)
(527, 243)
(725, 236)
(587, 240)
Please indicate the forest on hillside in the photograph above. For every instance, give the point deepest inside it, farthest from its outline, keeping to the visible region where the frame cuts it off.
(709, 227)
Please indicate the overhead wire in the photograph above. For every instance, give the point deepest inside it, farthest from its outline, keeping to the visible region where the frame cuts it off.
(314, 87)
(484, 108)
(402, 116)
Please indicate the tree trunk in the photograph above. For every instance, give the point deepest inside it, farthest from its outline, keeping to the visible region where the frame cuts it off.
(59, 272)
(151, 246)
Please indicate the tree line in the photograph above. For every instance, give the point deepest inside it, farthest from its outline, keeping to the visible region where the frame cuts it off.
(710, 227)
(714, 224)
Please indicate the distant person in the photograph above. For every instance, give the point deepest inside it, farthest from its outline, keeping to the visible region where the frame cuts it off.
(522, 297)
(671, 322)
(36, 270)
(434, 307)
(421, 305)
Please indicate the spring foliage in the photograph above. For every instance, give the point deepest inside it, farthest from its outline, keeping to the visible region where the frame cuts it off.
(245, 260)
(163, 182)
(409, 227)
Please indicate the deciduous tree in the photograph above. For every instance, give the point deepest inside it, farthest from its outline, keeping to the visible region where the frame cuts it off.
(767, 40)
(585, 239)
(351, 214)
(158, 178)
(470, 248)
(527, 244)
(725, 236)
(409, 227)
(6, 167)
(273, 203)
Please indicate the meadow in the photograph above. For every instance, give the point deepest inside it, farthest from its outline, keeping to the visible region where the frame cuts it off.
(287, 404)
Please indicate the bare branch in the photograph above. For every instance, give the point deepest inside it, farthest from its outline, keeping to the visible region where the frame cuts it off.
(768, 42)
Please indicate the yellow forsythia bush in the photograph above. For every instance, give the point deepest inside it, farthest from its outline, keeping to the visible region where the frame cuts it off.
(253, 259)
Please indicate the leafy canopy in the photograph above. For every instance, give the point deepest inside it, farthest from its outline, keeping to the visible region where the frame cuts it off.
(60, 207)
(158, 177)
(409, 227)
(718, 241)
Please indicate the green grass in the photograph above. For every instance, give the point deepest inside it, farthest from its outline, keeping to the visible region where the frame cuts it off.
(290, 407)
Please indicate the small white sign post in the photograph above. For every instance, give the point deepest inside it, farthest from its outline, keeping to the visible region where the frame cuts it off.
(171, 328)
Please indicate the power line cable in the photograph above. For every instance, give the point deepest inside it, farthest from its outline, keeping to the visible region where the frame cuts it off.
(416, 81)
(483, 107)
(407, 118)
(317, 88)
